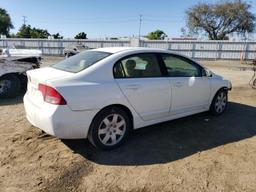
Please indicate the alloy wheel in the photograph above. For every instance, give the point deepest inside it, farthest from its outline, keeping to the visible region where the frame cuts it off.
(221, 102)
(112, 129)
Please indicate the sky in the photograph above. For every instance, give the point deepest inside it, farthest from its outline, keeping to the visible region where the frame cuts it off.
(102, 18)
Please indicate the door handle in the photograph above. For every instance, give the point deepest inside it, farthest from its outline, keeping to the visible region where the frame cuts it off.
(133, 86)
(178, 84)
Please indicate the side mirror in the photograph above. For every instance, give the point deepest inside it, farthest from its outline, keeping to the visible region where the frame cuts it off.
(206, 73)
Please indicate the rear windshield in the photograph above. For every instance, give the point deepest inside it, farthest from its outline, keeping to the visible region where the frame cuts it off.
(80, 61)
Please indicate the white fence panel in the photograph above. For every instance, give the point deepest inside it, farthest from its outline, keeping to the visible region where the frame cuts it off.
(194, 49)
(181, 46)
(207, 46)
(206, 54)
(233, 46)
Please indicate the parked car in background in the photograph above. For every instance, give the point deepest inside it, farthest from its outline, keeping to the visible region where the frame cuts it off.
(13, 66)
(23, 55)
(74, 49)
(103, 94)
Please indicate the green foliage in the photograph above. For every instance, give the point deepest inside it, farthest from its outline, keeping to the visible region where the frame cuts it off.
(57, 36)
(221, 19)
(156, 35)
(5, 22)
(27, 32)
(81, 35)
(24, 32)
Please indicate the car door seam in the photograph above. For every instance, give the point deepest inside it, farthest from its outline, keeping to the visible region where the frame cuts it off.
(127, 99)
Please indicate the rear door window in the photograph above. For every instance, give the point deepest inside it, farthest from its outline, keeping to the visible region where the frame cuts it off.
(138, 66)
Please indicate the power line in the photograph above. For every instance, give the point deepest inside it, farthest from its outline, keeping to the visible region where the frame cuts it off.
(140, 26)
(87, 21)
(142, 18)
(162, 21)
(24, 20)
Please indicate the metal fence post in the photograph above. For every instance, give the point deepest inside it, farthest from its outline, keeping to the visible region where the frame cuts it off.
(220, 50)
(246, 55)
(193, 50)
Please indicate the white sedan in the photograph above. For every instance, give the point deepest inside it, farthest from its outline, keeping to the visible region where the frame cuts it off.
(102, 94)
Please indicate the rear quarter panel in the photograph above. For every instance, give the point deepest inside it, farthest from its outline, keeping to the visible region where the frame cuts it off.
(91, 95)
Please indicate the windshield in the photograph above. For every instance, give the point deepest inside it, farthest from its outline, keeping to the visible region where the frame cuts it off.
(81, 61)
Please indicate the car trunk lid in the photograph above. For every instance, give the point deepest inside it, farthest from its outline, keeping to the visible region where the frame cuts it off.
(42, 76)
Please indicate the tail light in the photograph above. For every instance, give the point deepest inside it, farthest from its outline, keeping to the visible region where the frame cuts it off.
(51, 95)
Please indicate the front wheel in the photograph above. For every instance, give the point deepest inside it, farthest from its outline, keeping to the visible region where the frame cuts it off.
(254, 83)
(109, 128)
(219, 103)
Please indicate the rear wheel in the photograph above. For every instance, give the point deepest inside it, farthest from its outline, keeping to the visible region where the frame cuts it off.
(110, 128)
(10, 86)
(219, 103)
(67, 55)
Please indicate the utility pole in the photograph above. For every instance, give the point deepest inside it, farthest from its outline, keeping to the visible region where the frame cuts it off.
(24, 20)
(140, 26)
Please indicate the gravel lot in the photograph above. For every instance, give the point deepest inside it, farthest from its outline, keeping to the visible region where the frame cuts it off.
(197, 153)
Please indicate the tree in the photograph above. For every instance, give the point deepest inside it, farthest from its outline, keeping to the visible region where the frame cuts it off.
(27, 32)
(24, 32)
(187, 33)
(39, 33)
(221, 19)
(81, 35)
(57, 36)
(5, 22)
(156, 35)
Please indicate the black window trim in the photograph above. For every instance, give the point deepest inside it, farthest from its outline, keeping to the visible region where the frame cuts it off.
(199, 67)
(159, 62)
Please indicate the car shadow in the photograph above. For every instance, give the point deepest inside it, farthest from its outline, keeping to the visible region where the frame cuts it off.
(170, 141)
(13, 101)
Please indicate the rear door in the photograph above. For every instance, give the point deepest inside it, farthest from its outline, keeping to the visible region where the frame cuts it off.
(190, 88)
(141, 81)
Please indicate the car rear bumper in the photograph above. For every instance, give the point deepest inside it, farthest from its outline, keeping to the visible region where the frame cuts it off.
(59, 121)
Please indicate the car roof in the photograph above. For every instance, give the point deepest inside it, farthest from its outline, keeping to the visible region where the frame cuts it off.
(114, 50)
(125, 49)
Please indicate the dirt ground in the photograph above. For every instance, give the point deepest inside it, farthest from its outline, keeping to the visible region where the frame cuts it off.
(197, 153)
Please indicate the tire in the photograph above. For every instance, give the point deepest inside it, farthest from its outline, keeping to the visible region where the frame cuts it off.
(23, 83)
(69, 55)
(254, 83)
(219, 102)
(110, 128)
(10, 86)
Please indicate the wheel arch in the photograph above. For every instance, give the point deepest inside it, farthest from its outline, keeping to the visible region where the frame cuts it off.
(123, 107)
(21, 76)
(222, 88)
(11, 73)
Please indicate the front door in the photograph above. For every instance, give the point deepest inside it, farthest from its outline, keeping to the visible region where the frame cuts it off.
(190, 89)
